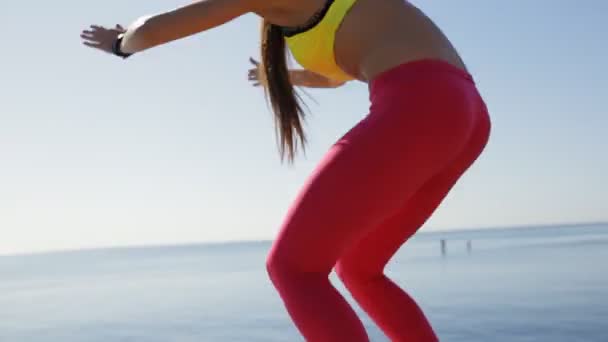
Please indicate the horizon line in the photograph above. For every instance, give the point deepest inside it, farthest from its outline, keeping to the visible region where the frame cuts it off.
(241, 241)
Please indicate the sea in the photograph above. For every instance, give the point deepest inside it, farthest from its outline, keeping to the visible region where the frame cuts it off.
(545, 283)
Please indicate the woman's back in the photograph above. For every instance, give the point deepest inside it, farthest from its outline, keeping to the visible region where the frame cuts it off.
(380, 34)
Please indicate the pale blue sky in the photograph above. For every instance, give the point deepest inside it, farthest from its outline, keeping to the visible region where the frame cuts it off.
(175, 146)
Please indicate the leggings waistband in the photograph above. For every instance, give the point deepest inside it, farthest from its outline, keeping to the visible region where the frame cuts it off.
(413, 69)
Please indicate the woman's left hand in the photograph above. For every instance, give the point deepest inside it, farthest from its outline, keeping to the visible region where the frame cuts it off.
(101, 38)
(254, 73)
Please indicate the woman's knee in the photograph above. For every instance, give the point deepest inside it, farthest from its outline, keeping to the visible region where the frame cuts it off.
(352, 271)
(280, 266)
(343, 272)
(275, 267)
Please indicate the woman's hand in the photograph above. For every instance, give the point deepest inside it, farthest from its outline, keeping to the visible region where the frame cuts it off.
(301, 78)
(254, 73)
(99, 37)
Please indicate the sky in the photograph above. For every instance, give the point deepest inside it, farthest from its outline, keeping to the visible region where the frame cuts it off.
(175, 146)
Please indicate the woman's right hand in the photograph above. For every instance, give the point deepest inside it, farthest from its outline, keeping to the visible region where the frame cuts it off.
(99, 37)
(254, 73)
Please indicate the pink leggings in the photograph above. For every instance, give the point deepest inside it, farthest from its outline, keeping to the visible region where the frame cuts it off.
(375, 187)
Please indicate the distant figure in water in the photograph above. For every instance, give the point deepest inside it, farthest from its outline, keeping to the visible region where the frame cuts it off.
(469, 247)
(443, 247)
(380, 181)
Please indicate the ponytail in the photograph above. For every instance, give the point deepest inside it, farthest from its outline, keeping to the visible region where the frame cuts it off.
(285, 102)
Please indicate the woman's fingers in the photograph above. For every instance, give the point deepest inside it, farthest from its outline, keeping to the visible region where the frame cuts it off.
(97, 28)
(90, 37)
(254, 73)
(92, 44)
(86, 35)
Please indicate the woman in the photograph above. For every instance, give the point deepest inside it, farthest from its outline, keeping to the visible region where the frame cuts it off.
(377, 184)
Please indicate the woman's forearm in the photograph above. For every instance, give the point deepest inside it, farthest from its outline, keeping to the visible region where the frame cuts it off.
(305, 78)
(132, 40)
(184, 21)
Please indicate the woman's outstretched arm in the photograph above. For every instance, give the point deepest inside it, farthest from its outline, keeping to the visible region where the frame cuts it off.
(150, 31)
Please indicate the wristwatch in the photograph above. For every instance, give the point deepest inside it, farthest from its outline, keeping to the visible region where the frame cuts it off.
(116, 47)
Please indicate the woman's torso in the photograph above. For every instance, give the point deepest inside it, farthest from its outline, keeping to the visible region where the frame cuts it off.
(374, 36)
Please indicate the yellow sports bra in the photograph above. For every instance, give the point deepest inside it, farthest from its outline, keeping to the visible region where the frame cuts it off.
(312, 44)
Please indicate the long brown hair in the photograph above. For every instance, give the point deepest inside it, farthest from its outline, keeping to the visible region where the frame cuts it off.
(285, 102)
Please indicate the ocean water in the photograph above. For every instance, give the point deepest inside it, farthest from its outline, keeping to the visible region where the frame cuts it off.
(536, 284)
